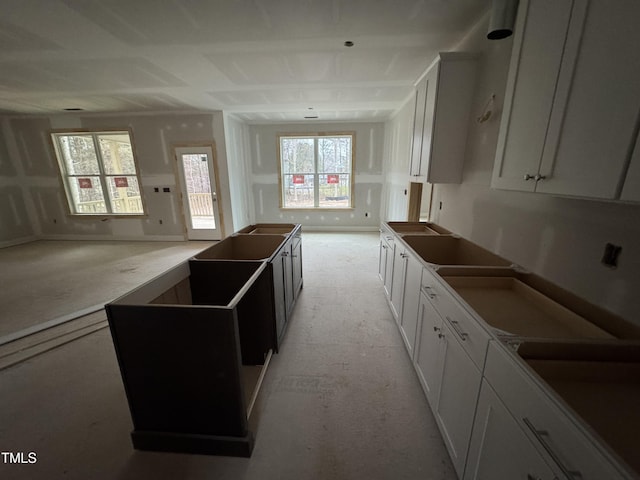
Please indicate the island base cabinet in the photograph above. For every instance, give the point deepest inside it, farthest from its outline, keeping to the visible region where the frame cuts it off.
(499, 448)
(280, 299)
(296, 264)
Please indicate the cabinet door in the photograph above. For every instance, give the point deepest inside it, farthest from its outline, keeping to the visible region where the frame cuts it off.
(418, 126)
(631, 190)
(382, 259)
(450, 94)
(431, 85)
(279, 295)
(296, 265)
(550, 425)
(397, 283)
(388, 269)
(410, 302)
(428, 356)
(288, 277)
(593, 123)
(456, 405)
(540, 33)
(499, 448)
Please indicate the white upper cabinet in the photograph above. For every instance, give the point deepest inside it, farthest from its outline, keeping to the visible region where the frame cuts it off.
(572, 100)
(418, 127)
(443, 107)
(540, 31)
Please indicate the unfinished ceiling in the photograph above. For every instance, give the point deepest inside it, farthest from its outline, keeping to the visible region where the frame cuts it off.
(263, 60)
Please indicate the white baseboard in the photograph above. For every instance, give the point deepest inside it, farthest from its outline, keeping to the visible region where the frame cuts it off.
(129, 238)
(321, 228)
(18, 241)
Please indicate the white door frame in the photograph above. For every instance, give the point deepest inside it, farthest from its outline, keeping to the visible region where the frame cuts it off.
(210, 151)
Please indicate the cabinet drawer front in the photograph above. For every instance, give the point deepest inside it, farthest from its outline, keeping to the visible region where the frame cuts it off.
(550, 427)
(473, 337)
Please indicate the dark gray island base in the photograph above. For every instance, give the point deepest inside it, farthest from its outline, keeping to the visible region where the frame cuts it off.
(194, 344)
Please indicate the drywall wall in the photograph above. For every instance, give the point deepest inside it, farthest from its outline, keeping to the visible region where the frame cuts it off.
(154, 137)
(15, 223)
(239, 162)
(368, 177)
(561, 239)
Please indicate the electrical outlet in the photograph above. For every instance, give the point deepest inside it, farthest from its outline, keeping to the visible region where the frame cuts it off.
(611, 253)
(160, 222)
(366, 214)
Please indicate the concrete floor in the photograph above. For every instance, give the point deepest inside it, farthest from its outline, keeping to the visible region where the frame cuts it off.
(41, 281)
(340, 401)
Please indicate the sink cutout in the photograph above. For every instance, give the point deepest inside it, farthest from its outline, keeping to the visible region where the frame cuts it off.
(515, 308)
(448, 250)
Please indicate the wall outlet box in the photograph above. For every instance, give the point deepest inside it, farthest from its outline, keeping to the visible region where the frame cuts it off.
(611, 253)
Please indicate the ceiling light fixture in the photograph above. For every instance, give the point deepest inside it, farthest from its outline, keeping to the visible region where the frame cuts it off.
(349, 43)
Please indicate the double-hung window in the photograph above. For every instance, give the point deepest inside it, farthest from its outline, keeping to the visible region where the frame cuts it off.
(316, 170)
(99, 173)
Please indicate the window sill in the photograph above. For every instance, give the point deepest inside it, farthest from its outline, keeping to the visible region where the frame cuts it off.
(105, 216)
(317, 209)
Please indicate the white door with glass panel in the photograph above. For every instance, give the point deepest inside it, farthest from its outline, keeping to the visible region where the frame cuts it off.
(199, 200)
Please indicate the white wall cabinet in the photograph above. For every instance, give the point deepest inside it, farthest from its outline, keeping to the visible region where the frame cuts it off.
(499, 448)
(416, 167)
(572, 99)
(443, 105)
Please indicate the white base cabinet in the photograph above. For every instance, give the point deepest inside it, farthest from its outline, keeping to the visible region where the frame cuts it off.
(499, 448)
(498, 420)
(556, 435)
(428, 356)
(457, 398)
(385, 268)
(410, 301)
(450, 379)
(398, 280)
